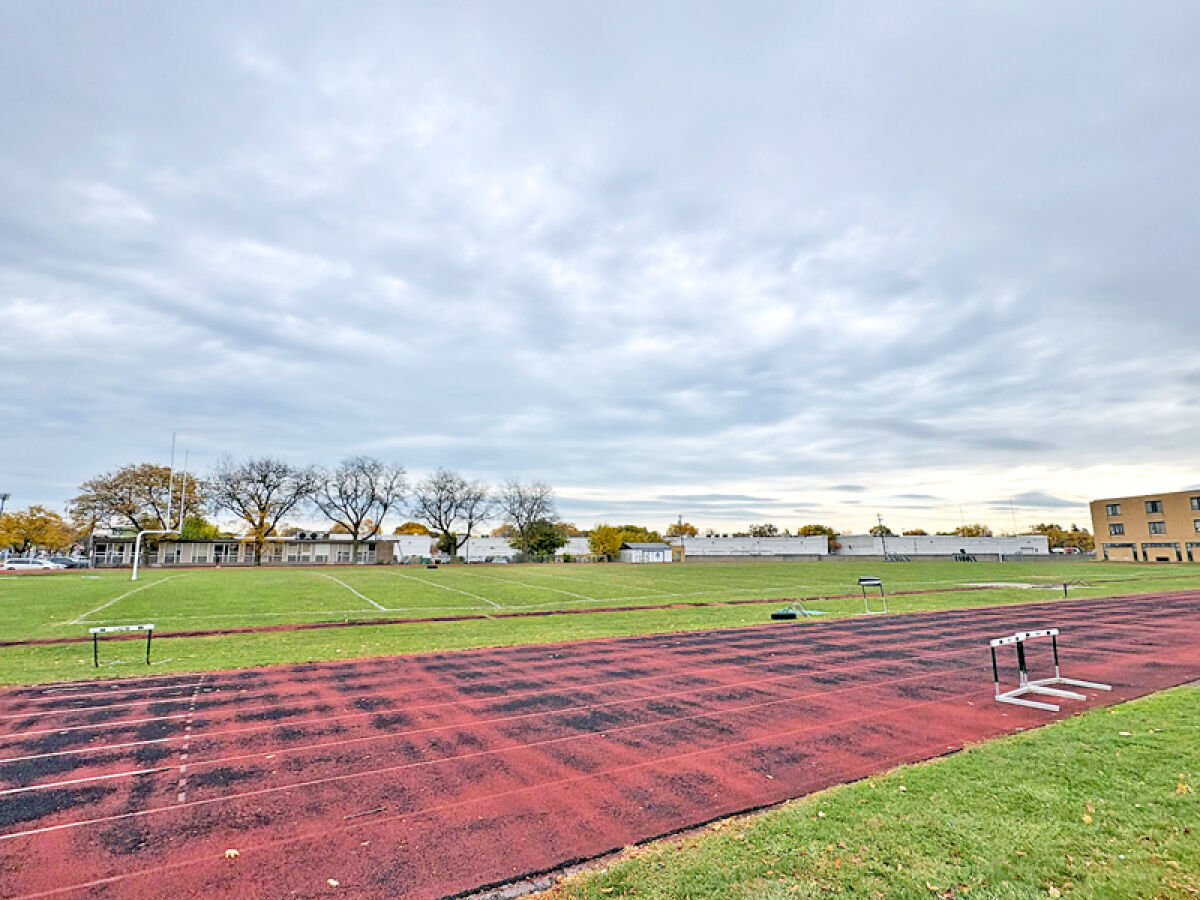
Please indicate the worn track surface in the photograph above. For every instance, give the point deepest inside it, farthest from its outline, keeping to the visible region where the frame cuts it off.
(436, 775)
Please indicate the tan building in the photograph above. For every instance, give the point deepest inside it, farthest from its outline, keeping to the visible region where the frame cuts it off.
(1148, 528)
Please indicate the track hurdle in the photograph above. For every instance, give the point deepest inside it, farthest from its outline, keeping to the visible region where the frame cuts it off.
(1040, 685)
(117, 629)
(793, 610)
(866, 582)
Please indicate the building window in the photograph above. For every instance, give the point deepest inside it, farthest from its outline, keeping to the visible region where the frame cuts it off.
(1113, 509)
(1154, 507)
(1158, 527)
(1196, 522)
(1116, 528)
(1196, 503)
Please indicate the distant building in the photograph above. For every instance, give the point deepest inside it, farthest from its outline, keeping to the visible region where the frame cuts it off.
(645, 552)
(1148, 527)
(303, 548)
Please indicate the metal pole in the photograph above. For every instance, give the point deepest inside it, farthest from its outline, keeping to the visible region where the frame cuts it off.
(1054, 645)
(1021, 663)
(995, 672)
(95, 650)
(149, 635)
(137, 554)
(170, 483)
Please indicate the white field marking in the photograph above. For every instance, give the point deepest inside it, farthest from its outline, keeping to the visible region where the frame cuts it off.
(683, 692)
(445, 588)
(325, 612)
(634, 586)
(535, 587)
(144, 587)
(70, 710)
(89, 687)
(360, 596)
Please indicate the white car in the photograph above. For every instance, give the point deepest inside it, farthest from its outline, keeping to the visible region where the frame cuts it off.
(24, 564)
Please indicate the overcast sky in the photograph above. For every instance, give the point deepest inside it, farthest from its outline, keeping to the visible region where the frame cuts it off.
(741, 262)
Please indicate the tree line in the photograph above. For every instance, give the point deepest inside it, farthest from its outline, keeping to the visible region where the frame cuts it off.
(355, 497)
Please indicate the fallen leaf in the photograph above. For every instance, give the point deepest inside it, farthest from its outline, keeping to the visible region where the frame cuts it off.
(1054, 892)
(1087, 820)
(1182, 788)
(232, 854)
(332, 882)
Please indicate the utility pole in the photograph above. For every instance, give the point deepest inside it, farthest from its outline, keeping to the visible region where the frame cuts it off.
(882, 534)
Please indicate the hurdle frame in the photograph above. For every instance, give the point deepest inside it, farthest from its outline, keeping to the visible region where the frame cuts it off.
(866, 581)
(118, 629)
(1038, 685)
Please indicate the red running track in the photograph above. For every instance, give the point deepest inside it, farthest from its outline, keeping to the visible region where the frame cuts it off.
(438, 775)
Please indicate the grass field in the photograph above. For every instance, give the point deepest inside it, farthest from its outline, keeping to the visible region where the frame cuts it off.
(1103, 805)
(68, 603)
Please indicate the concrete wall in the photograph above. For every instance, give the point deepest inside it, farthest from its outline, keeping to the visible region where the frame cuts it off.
(945, 546)
(809, 547)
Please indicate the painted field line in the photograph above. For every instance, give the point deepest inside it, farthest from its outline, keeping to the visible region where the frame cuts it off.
(603, 730)
(144, 587)
(446, 588)
(535, 587)
(357, 594)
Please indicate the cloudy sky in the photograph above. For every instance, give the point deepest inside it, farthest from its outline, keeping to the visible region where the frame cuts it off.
(741, 262)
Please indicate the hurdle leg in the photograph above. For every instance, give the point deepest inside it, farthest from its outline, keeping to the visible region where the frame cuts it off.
(149, 635)
(1073, 681)
(96, 650)
(995, 673)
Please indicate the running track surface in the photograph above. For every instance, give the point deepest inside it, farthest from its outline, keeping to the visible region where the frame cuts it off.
(439, 775)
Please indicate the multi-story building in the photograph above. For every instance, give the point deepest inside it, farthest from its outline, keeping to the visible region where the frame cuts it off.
(1148, 527)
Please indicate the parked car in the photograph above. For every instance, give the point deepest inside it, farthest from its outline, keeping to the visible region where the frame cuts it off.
(25, 564)
(72, 562)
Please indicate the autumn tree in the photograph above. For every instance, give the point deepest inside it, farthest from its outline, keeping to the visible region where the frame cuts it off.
(972, 529)
(765, 530)
(915, 532)
(450, 504)
(35, 527)
(198, 528)
(527, 507)
(830, 534)
(881, 531)
(1058, 536)
(412, 528)
(137, 496)
(606, 540)
(682, 529)
(358, 495)
(261, 492)
(571, 530)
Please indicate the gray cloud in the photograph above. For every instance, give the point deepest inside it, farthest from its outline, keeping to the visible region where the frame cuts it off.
(1036, 500)
(883, 245)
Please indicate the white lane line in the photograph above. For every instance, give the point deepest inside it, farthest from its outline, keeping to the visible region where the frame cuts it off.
(353, 591)
(187, 740)
(446, 588)
(144, 587)
(534, 587)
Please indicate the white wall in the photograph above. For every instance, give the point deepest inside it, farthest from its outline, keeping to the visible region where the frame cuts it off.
(809, 545)
(943, 545)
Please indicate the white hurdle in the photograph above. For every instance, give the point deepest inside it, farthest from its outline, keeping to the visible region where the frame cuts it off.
(1040, 685)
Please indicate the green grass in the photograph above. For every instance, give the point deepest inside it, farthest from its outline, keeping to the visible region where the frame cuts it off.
(1102, 805)
(68, 603)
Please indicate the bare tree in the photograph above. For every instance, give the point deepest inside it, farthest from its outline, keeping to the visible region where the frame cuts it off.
(358, 494)
(447, 502)
(525, 505)
(261, 492)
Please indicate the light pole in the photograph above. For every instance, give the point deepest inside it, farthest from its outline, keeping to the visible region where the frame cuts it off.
(3, 499)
